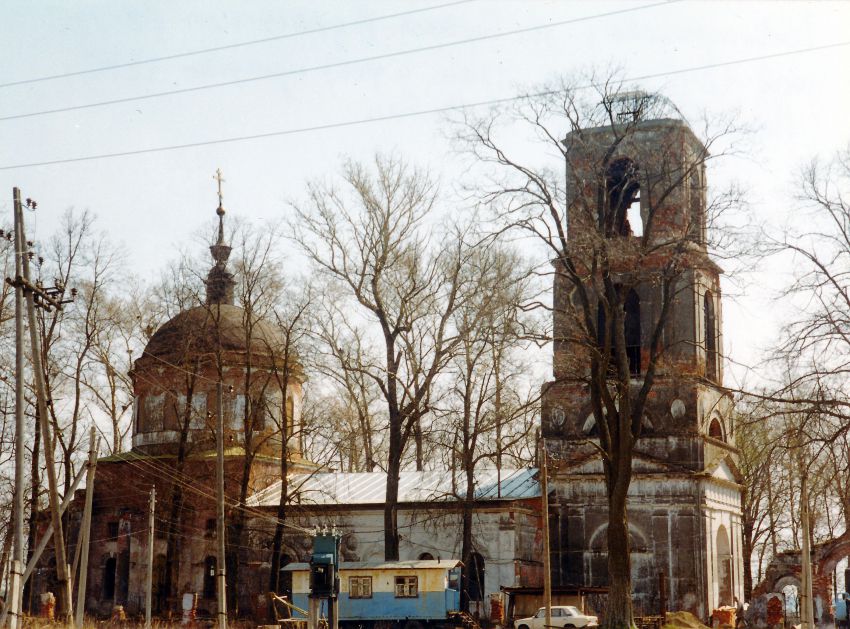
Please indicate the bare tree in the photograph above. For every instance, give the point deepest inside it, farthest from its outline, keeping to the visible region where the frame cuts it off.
(372, 240)
(579, 201)
(486, 412)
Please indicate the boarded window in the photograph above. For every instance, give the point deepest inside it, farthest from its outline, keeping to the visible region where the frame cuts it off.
(153, 412)
(198, 417)
(406, 587)
(359, 587)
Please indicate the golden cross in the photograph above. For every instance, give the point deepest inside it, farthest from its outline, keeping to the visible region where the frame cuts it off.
(217, 176)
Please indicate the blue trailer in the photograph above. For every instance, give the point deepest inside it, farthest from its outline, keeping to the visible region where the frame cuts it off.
(390, 594)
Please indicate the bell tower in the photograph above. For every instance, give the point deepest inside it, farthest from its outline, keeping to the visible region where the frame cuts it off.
(684, 505)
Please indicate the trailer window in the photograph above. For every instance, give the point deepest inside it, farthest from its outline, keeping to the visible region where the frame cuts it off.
(359, 587)
(406, 587)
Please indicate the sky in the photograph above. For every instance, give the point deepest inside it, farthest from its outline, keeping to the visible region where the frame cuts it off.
(779, 67)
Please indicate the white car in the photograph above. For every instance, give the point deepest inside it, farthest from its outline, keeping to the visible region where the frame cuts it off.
(562, 616)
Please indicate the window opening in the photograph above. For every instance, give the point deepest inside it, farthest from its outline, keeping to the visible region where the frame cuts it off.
(109, 578)
(710, 336)
(632, 331)
(406, 587)
(623, 188)
(209, 577)
(426, 557)
(697, 214)
(359, 587)
(715, 430)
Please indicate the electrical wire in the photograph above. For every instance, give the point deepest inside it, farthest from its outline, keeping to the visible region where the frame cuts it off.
(264, 40)
(327, 66)
(409, 114)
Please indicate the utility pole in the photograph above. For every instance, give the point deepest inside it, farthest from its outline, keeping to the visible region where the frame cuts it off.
(149, 580)
(547, 567)
(14, 604)
(806, 609)
(221, 582)
(45, 298)
(85, 536)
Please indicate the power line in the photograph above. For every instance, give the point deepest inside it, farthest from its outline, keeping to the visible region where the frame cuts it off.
(409, 114)
(252, 42)
(326, 66)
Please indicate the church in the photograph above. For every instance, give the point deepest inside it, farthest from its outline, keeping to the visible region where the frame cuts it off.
(684, 504)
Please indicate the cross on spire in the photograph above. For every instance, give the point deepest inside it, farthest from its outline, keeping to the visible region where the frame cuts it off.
(217, 176)
(219, 280)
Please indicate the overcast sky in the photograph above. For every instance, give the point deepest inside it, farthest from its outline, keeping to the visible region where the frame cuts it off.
(784, 72)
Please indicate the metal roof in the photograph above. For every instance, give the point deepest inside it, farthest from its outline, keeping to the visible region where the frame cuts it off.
(335, 488)
(413, 564)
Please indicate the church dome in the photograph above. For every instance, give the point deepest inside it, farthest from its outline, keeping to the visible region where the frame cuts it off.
(208, 329)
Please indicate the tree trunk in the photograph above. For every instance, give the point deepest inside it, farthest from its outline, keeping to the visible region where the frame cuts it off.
(619, 613)
(466, 551)
(747, 552)
(391, 539)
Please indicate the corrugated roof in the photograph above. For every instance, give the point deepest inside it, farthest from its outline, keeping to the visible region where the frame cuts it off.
(383, 565)
(334, 488)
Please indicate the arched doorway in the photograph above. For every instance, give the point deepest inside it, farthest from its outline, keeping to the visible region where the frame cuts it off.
(724, 567)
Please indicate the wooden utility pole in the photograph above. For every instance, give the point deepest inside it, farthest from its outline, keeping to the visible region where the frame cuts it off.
(221, 582)
(149, 579)
(85, 536)
(806, 609)
(47, 298)
(547, 563)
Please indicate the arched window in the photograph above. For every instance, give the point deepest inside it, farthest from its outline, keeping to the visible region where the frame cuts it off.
(623, 187)
(696, 206)
(710, 336)
(209, 577)
(109, 579)
(724, 567)
(425, 556)
(715, 429)
(632, 331)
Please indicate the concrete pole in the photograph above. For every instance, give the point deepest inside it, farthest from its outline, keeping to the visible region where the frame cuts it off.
(83, 544)
(14, 604)
(62, 569)
(221, 581)
(42, 544)
(807, 609)
(149, 579)
(547, 567)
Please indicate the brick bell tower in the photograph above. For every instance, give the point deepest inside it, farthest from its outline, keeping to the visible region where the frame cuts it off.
(684, 506)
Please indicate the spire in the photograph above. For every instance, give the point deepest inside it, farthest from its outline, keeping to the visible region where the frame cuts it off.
(220, 281)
